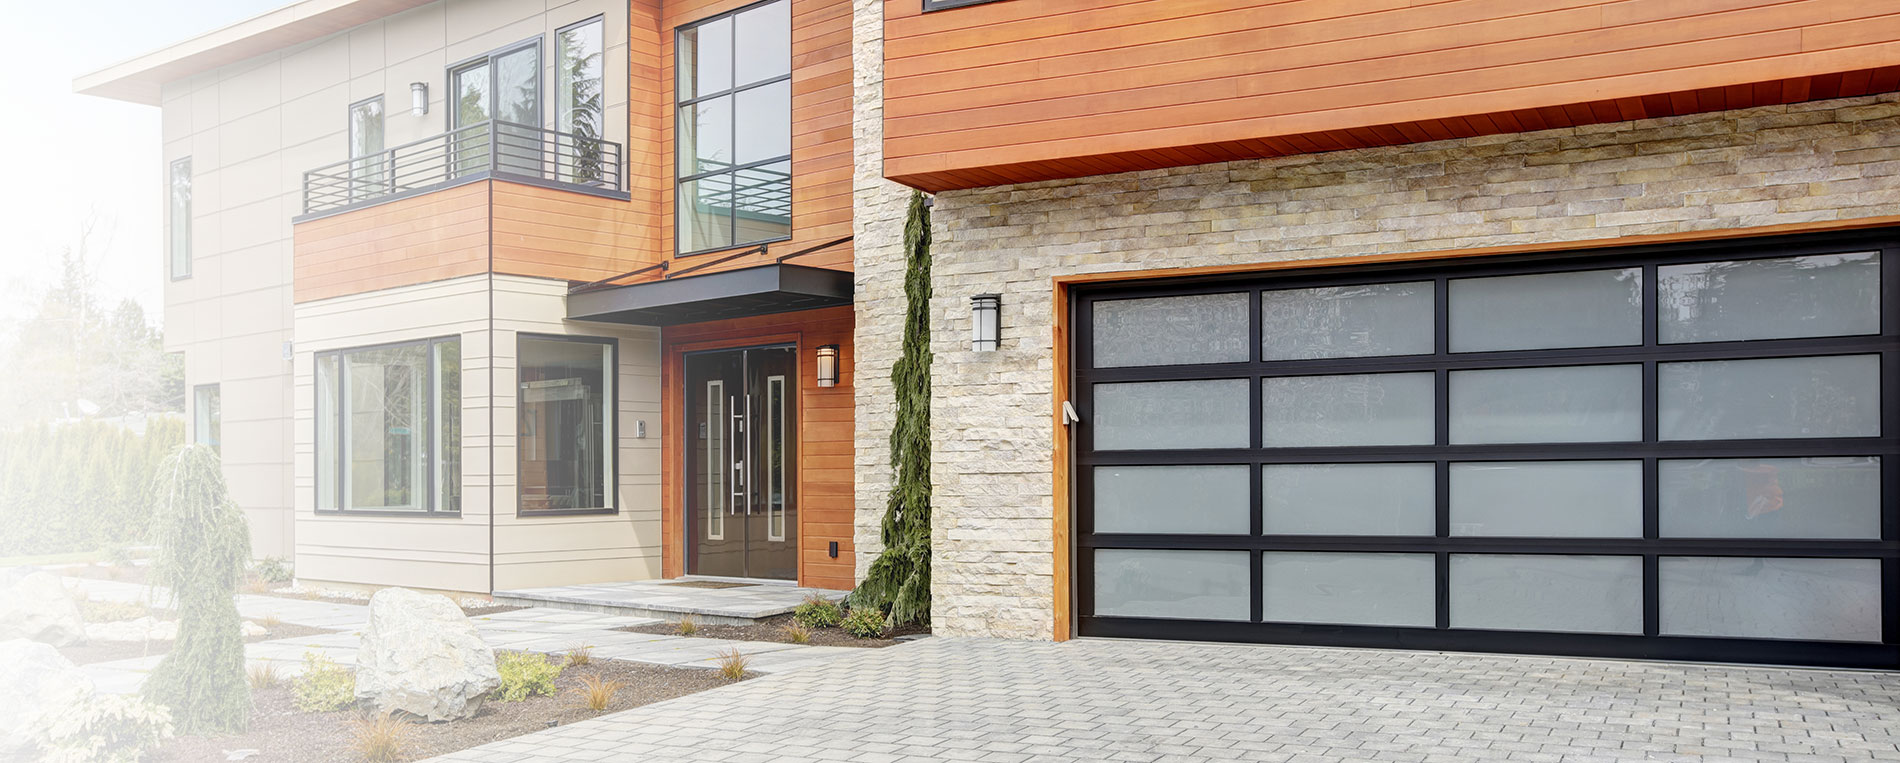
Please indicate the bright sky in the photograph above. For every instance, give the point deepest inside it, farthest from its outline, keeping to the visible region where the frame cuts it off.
(70, 158)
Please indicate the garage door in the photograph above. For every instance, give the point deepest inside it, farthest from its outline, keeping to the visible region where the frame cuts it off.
(1671, 453)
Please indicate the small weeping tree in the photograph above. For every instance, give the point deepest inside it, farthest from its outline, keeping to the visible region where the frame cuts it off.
(203, 547)
(898, 581)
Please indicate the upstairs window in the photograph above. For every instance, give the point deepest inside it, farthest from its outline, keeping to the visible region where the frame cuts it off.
(735, 129)
(180, 213)
(366, 148)
(579, 105)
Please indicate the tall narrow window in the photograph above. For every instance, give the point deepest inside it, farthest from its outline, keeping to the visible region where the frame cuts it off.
(715, 463)
(503, 88)
(206, 416)
(366, 149)
(735, 129)
(564, 427)
(578, 98)
(388, 428)
(180, 243)
(775, 458)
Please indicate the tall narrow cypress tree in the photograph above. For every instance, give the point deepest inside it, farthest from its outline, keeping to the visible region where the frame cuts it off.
(899, 580)
(203, 547)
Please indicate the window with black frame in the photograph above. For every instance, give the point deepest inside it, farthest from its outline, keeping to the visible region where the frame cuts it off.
(564, 419)
(734, 129)
(1671, 454)
(389, 428)
(207, 416)
(178, 222)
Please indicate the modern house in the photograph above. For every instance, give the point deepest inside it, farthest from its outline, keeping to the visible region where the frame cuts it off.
(1467, 325)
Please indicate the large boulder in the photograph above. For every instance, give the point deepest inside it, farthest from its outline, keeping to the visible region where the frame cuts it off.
(39, 683)
(422, 656)
(34, 605)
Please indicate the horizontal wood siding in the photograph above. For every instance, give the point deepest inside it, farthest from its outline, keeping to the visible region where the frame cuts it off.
(426, 238)
(826, 505)
(1012, 91)
(561, 234)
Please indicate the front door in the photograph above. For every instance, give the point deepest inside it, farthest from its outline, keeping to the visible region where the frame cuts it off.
(741, 435)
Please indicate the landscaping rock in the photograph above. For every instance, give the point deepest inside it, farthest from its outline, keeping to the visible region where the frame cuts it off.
(420, 655)
(38, 682)
(34, 605)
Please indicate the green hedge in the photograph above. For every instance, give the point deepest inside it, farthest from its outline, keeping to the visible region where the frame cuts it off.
(79, 485)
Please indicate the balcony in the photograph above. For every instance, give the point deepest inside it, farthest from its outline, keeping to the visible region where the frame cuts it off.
(486, 150)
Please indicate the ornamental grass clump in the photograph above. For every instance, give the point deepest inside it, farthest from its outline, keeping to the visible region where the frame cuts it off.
(381, 738)
(732, 664)
(687, 625)
(204, 547)
(798, 634)
(597, 693)
(523, 675)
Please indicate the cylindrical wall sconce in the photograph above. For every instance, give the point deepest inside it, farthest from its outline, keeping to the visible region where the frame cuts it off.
(986, 322)
(418, 98)
(828, 365)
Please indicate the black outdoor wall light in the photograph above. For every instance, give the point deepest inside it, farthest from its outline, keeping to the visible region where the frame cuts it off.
(828, 365)
(986, 322)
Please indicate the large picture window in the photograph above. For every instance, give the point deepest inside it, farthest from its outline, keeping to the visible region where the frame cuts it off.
(179, 243)
(389, 428)
(735, 129)
(564, 432)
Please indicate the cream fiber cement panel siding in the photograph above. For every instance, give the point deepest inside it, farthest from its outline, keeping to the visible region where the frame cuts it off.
(992, 444)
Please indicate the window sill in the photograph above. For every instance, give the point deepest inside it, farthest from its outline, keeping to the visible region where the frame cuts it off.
(387, 513)
(532, 513)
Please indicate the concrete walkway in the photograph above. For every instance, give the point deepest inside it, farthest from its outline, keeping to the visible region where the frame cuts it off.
(535, 629)
(1007, 701)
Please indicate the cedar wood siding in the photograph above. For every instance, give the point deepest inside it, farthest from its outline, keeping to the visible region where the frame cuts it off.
(1027, 90)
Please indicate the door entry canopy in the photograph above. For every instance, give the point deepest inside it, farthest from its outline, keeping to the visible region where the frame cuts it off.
(762, 290)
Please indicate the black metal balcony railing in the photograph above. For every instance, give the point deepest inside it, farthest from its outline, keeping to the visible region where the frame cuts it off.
(503, 150)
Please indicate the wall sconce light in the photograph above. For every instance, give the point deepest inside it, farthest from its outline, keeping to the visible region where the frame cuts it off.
(418, 98)
(828, 365)
(986, 322)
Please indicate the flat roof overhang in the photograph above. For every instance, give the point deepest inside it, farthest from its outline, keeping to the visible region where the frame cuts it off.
(715, 296)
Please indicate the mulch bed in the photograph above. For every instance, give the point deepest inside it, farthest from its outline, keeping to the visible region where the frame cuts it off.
(107, 651)
(773, 629)
(281, 732)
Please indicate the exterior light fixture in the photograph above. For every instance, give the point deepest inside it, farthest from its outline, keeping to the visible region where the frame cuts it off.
(828, 366)
(986, 313)
(418, 98)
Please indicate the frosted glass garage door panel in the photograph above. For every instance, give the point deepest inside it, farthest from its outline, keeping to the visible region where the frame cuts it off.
(1818, 599)
(1570, 404)
(1777, 298)
(1193, 585)
(1771, 498)
(1347, 321)
(1348, 588)
(1173, 499)
(1593, 308)
(1836, 396)
(1355, 409)
(1349, 499)
(1165, 331)
(1164, 415)
(1525, 592)
(1551, 499)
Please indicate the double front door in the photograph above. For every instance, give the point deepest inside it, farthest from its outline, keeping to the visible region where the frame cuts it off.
(741, 438)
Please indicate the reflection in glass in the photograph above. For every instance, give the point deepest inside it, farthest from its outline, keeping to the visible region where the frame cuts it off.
(446, 416)
(1526, 592)
(764, 48)
(1591, 499)
(1350, 409)
(1161, 415)
(1820, 599)
(207, 416)
(734, 135)
(1201, 585)
(1162, 331)
(1836, 396)
(1594, 308)
(1173, 499)
(705, 58)
(385, 427)
(564, 434)
(1347, 321)
(179, 227)
(1775, 298)
(1833, 497)
(1349, 588)
(366, 147)
(579, 106)
(1568, 404)
(1349, 499)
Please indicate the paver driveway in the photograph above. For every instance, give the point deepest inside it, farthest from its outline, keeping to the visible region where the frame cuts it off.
(984, 700)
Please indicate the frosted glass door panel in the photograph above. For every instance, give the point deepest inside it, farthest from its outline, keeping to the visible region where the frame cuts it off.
(1165, 331)
(1836, 396)
(1525, 592)
(1348, 588)
(1349, 499)
(1354, 409)
(1771, 498)
(1347, 321)
(1593, 308)
(1176, 414)
(1777, 298)
(1589, 499)
(1821, 599)
(1199, 585)
(1571, 404)
(1173, 499)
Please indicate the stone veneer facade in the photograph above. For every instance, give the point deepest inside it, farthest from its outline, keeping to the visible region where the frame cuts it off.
(993, 571)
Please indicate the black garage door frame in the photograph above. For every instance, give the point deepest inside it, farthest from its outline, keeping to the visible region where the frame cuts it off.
(1649, 645)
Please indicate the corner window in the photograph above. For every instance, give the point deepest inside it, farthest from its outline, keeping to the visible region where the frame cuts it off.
(734, 129)
(578, 99)
(206, 416)
(389, 428)
(564, 434)
(366, 148)
(180, 222)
